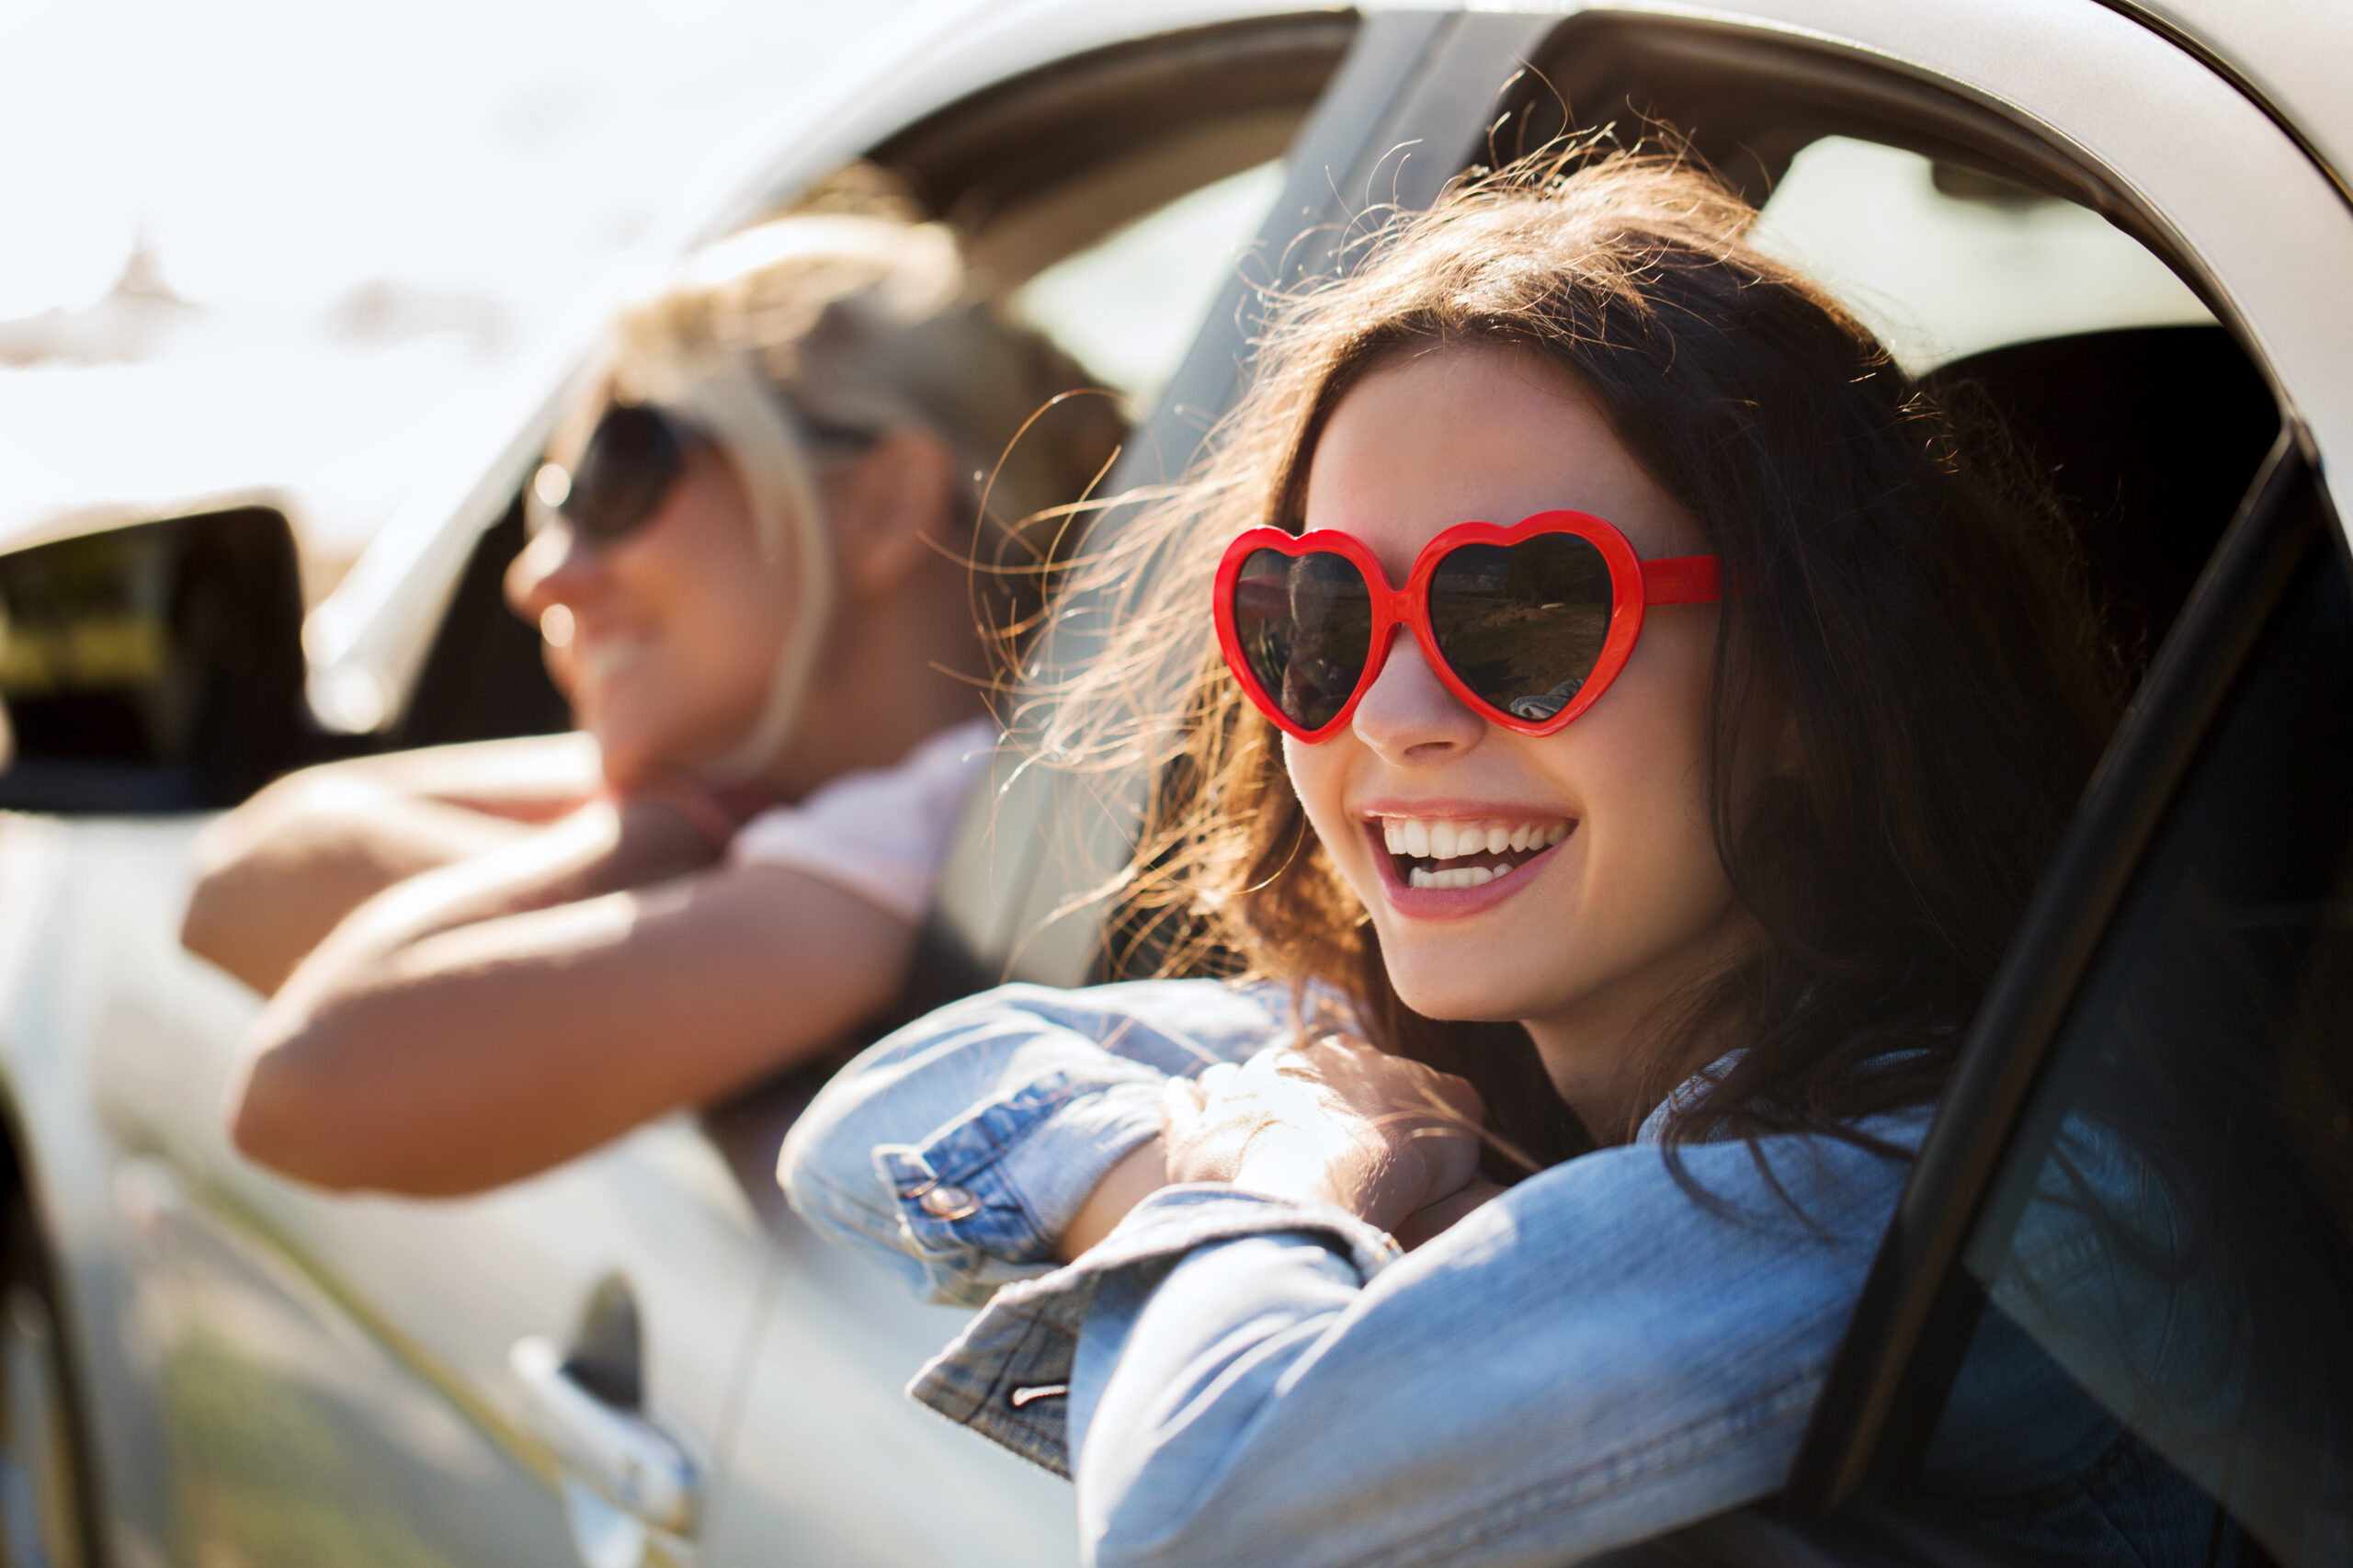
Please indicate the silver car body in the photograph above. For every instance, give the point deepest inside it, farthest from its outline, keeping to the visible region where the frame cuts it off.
(272, 1375)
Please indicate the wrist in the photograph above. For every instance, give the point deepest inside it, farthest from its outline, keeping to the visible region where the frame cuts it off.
(1140, 1172)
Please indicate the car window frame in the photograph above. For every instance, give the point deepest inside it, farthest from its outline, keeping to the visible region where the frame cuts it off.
(1887, 1387)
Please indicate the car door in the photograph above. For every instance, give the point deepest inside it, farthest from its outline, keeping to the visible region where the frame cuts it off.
(370, 1381)
(246, 1389)
(2176, 997)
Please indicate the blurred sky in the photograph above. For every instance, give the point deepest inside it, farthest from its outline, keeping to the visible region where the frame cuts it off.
(349, 229)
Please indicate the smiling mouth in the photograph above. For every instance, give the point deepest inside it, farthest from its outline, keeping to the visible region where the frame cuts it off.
(1449, 853)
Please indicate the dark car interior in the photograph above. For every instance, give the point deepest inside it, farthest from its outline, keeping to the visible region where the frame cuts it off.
(2151, 436)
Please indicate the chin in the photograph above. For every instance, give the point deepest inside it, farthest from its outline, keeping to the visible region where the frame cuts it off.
(1458, 988)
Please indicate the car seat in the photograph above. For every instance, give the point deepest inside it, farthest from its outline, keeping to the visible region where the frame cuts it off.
(2150, 435)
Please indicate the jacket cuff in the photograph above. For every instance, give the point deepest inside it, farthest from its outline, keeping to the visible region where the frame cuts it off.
(1008, 1375)
(1004, 1182)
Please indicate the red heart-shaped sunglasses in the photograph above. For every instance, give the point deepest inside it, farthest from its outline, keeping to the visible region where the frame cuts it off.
(1527, 625)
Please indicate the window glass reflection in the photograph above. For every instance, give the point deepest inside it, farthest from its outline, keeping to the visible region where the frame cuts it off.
(2163, 1368)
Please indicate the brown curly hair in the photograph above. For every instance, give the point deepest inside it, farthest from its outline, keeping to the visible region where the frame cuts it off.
(1909, 604)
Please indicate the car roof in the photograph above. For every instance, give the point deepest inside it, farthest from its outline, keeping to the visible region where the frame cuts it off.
(2294, 57)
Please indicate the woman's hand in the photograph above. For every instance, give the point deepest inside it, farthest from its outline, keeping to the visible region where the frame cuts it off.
(1337, 1121)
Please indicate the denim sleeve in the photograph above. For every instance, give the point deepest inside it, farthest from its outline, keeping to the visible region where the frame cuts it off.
(956, 1151)
(1601, 1355)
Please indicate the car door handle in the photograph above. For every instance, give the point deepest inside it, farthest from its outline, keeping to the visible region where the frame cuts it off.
(626, 1459)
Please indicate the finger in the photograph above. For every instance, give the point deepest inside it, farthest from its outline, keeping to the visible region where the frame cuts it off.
(1449, 1152)
(1218, 1079)
(1280, 1062)
(1455, 1099)
(1180, 1108)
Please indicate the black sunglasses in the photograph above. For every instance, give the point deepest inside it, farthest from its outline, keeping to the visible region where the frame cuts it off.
(623, 474)
(632, 458)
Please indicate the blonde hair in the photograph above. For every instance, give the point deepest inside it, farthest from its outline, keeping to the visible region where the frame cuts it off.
(867, 324)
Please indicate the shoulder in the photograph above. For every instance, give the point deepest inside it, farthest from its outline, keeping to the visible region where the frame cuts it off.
(1786, 1194)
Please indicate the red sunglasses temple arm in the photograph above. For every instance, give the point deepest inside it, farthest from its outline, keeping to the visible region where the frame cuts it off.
(1682, 580)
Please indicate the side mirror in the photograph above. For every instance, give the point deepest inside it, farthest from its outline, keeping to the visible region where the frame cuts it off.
(153, 668)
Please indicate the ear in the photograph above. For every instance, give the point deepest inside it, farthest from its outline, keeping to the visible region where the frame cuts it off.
(891, 511)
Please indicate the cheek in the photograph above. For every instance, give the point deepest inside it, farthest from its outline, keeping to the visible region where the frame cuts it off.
(1645, 776)
(729, 647)
(714, 588)
(1319, 775)
(716, 617)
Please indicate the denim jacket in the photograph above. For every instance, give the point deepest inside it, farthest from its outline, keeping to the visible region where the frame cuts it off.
(1601, 1354)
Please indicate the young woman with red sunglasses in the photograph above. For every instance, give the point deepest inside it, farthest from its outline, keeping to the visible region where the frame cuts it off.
(749, 555)
(1631, 715)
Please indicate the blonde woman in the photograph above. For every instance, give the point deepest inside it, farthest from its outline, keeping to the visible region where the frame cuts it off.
(750, 554)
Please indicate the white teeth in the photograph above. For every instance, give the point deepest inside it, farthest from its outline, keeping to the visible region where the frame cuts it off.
(1453, 877)
(1439, 839)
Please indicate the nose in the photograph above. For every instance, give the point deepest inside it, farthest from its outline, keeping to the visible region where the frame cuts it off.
(1407, 715)
(554, 568)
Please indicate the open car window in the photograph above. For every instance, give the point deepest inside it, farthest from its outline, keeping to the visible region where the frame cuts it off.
(1130, 304)
(1943, 260)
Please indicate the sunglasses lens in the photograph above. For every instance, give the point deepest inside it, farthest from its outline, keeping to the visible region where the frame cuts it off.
(1305, 625)
(1522, 625)
(632, 460)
